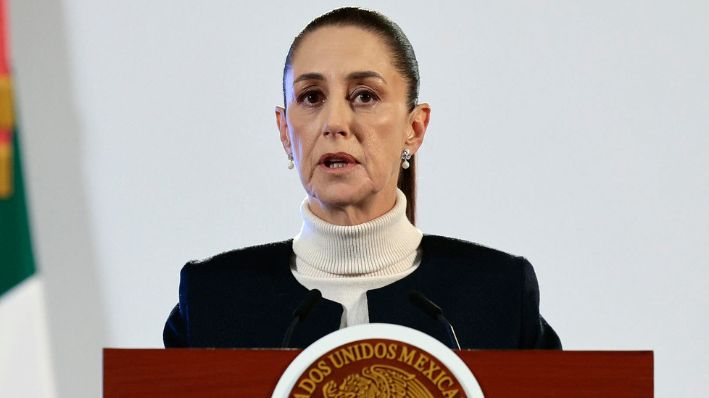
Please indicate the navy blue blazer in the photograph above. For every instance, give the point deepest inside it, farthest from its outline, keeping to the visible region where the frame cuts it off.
(246, 298)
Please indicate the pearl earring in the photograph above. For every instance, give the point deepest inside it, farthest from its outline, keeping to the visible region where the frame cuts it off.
(405, 156)
(290, 162)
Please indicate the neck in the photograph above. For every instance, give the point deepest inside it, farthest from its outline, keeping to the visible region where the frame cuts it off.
(383, 246)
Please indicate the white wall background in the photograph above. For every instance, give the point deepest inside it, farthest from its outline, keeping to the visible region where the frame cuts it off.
(574, 133)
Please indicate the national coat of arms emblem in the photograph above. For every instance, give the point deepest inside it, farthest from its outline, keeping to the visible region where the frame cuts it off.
(378, 381)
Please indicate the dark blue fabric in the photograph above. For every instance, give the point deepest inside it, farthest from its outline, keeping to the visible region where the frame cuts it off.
(246, 298)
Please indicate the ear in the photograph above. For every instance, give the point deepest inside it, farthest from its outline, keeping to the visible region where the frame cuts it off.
(282, 124)
(418, 120)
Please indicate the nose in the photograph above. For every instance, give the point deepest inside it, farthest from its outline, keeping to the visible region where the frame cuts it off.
(337, 120)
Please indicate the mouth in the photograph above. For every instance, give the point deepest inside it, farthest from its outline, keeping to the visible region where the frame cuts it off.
(334, 161)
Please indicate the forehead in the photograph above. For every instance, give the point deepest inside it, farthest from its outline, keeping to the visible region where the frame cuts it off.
(339, 50)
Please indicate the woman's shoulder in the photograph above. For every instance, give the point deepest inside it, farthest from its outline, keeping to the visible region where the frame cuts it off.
(246, 257)
(454, 247)
(464, 260)
(461, 257)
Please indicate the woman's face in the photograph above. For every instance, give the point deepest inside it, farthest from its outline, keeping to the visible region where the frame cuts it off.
(347, 122)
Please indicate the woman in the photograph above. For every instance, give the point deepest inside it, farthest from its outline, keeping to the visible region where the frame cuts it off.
(351, 125)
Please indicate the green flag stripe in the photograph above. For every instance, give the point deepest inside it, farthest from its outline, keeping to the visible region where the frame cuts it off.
(16, 258)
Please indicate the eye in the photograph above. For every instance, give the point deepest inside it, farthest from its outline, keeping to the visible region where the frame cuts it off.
(311, 98)
(364, 97)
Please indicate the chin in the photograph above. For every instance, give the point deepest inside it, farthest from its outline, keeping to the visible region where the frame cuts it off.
(341, 195)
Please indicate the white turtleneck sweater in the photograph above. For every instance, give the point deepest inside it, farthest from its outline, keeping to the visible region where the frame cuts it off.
(344, 262)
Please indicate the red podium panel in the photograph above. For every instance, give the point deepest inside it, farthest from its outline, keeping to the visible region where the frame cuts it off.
(254, 373)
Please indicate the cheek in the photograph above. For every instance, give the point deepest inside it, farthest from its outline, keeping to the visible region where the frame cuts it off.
(299, 136)
(384, 157)
(303, 143)
(388, 141)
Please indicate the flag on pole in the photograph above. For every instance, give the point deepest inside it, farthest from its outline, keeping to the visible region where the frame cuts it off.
(25, 360)
(16, 259)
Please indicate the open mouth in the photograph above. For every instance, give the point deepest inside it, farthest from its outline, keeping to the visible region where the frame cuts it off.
(337, 160)
(335, 164)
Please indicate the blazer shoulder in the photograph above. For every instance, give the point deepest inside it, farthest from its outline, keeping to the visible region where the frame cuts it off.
(258, 255)
(459, 249)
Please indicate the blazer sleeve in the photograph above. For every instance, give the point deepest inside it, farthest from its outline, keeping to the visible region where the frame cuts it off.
(536, 332)
(175, 333)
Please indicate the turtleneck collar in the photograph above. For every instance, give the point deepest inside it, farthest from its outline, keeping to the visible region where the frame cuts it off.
(384, 246)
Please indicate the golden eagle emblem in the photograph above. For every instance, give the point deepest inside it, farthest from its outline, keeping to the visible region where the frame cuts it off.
(378, 381)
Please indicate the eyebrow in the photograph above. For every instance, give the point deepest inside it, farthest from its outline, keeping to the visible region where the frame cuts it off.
(364, 75)
(352, 76)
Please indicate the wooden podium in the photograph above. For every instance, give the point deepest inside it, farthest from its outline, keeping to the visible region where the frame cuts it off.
(254, 373)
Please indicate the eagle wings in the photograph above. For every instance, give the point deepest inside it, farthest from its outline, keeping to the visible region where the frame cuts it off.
(378, 381)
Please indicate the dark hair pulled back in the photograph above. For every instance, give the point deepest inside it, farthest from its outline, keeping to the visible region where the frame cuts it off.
(403, 58)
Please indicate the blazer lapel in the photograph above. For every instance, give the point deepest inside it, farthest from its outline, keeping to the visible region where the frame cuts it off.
(324, 318)
(390, 304)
